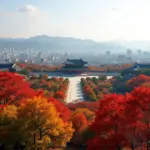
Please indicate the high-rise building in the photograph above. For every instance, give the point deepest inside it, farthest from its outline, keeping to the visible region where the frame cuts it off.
(129, 52)
(39, 54)
(146, 53)
(139, 52)
(107, 53)
(121, 58)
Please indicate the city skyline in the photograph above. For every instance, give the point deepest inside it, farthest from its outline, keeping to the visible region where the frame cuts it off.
(85, 19)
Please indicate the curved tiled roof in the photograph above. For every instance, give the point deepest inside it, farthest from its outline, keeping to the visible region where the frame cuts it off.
(6, 65)
(75, 62)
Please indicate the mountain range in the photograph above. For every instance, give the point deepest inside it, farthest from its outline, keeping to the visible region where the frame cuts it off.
(69, 44)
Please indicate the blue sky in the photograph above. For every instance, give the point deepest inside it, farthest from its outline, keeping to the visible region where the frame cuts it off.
(100, 20)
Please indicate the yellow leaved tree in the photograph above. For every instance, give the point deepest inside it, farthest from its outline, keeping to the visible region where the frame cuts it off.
(42, 124)
(8, 126)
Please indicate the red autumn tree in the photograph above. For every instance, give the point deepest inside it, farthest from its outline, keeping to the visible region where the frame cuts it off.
(13, 88)
(108, 124)
(59, 95)
(137, 81)
(39, 92)
(63, 88)
(139, 101)
(22, 65)
(146, 84)
(62, 109)
(122, 121)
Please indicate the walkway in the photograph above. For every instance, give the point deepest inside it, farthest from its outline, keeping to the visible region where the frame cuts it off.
(74, 92)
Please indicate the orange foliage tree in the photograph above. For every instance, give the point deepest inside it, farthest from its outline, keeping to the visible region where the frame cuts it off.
(40, 125)
(90, 115)
(93, 106)
(80, 123)
(94, 88)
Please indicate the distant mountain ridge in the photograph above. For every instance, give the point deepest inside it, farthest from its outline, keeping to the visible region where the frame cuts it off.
(67, 44)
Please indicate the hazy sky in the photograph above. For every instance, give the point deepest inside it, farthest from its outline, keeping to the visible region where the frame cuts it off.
(101, 20)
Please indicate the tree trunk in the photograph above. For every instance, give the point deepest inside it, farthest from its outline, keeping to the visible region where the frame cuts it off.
(34, 138)
(132, 146)
(147, 146)
(40, 135)
(118, 147)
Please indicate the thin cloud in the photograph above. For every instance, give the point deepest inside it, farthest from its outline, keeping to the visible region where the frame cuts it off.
(28, 9)
(113, 9)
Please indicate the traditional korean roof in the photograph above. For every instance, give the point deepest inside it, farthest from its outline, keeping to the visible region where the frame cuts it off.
(10, 66)
(75, 62)
(2, 66)
(138, 66)
(143, 65)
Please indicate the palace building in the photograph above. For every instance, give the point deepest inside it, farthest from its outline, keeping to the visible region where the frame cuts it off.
(74, 65)
(10, 67)
(131, 71)
(137, 66)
